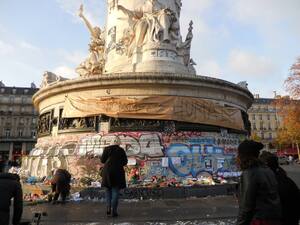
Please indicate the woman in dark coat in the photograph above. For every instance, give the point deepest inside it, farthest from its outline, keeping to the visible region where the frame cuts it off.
(61, 185)
(113, 174)
(288, 191)
(259, 202)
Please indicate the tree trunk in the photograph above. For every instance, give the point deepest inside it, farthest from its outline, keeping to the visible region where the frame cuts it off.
(297, 145)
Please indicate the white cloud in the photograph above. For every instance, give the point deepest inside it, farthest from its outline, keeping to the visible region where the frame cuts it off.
(6, 48)
(75, 57)
(94, 10)
(268, 15)
(64, 71)
(209, 68)
(248, 64)
(197, 6)
(28, 46)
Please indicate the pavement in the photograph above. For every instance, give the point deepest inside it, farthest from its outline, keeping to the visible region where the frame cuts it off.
(220, 210)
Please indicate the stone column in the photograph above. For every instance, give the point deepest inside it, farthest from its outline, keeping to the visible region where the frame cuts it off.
(23, 152)
(11, 148)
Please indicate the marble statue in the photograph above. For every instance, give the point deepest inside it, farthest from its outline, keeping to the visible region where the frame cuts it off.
(50, 78)
(184, 48)
(243, 84)
(154, 22)
(94, 64)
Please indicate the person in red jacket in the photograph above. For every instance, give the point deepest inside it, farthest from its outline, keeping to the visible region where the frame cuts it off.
(10, 187)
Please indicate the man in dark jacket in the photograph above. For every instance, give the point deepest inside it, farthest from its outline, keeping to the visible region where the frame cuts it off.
(61, 185)
(1, 164)
(10, 187)
(259, 202)
(288, 191)
(113, 174)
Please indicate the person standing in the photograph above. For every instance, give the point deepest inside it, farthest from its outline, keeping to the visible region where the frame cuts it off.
(61, 185)
(259, 202)
(288, 191)
(10, 187)
(1, 164)
(113, 174)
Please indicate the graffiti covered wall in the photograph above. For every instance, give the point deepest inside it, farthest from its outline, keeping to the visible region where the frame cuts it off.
(177, 155)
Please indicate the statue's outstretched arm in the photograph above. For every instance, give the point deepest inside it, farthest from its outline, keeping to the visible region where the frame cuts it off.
(126, 11)
(87, 23)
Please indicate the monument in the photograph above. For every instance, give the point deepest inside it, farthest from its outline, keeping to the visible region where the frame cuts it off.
(139, 83)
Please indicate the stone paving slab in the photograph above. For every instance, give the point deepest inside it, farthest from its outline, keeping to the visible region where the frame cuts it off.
(152, 212)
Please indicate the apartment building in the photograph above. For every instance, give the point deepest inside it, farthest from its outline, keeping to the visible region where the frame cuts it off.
(18, 121)
(265, 121)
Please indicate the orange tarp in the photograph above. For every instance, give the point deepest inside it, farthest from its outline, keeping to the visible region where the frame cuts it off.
(184, 109)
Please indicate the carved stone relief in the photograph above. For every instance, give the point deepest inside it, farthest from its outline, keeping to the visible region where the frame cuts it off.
(75, 123)
(45, 123)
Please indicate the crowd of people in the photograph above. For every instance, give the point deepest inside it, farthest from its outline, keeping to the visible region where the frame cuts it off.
(267, 196)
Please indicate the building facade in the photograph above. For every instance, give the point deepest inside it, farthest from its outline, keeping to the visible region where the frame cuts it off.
(265, 121)
(18, 121)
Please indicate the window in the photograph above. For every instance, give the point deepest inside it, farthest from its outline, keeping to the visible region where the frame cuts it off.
(33, 133)
(23, 100)
(22, 109)
(10, 109)
(261, 125)
(11, 99)
(2, 90)
(260, 117)
(270, 135)
(21, 120)
(253, 116)
(14, 91)
(20, 133)
(268, 117)
(7, 132)
(25, 91)
(33, 120)
(269, 126)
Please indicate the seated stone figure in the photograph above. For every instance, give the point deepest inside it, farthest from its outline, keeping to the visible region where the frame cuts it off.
(153, 22)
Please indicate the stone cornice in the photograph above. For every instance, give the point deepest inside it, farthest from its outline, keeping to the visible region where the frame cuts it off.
(107, 81)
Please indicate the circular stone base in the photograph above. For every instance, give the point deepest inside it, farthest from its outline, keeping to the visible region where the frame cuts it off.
(159, 151)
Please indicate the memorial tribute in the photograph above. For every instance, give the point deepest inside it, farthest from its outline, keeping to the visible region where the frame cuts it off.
(139, 83)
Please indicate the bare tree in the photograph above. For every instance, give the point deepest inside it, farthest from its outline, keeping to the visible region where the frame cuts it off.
(292, 83)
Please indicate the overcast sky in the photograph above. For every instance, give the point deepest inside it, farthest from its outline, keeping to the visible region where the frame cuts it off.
(236, 40)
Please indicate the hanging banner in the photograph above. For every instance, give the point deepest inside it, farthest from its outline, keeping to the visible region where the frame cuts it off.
(184, 109)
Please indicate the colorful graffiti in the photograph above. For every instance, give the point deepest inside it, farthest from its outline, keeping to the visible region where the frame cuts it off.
(179, 154)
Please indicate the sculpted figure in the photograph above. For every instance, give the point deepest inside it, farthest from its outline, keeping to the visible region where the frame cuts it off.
(184, 48)
(95, 62)
(153, 22)
(50, 78)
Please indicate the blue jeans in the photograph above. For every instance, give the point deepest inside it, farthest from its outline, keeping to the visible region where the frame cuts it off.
(112, 198)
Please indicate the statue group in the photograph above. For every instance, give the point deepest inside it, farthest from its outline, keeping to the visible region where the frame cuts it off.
(152, 23)
(94, 64)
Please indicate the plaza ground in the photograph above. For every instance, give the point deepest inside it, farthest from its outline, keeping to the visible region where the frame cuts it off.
(220, 210)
